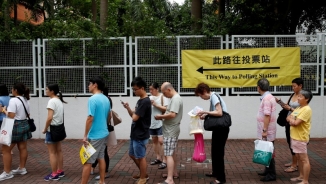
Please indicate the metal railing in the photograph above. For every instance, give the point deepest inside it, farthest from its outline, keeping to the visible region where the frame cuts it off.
(71, 62)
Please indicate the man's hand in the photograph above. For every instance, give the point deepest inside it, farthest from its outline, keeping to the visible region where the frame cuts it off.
(44, 131)
(85, 142)
(125, 105)
(158, 117)
(264, 135)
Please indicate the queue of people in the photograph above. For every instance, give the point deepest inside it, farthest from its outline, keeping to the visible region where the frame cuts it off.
(157, 116)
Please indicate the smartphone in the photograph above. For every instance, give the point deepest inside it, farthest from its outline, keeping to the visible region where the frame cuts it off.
(280, 102)
(121, 101)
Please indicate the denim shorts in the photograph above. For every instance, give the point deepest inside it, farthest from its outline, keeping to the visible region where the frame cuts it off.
(48, 139)
(137, 148)
(156, 132)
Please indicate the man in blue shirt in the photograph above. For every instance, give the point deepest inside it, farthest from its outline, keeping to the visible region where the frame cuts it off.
(96, 131)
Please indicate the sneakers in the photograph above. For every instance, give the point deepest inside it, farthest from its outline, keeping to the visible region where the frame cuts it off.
(5, 176)
(50, 177)
(19, 171)
(61, 174)
(137, 177)
(98, 177)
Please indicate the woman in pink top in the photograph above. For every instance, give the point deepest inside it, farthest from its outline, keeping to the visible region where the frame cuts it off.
(266, 124)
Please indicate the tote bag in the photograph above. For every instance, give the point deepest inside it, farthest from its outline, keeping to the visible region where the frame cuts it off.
(263, 152)
(6, 131)
(112, 139)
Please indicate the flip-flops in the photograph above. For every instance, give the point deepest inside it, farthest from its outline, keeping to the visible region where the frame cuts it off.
(291, 169)
(174, 176)
(156, 161)
(296, 179)
(162, 165)
(163, 182)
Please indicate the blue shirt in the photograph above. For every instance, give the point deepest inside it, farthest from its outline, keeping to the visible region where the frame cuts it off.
(4, 101)
(99, 108)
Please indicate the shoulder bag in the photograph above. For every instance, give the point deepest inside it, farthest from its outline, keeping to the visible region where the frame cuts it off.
(213, 122)
(58, 132)
(116, 119)
(281, 119)
(31, 123)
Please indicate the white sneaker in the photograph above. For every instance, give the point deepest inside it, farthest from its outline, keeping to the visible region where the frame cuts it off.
(5, 176)
(19, 171)
(106, 176)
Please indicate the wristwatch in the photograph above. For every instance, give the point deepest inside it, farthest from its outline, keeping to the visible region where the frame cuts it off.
(264, 130)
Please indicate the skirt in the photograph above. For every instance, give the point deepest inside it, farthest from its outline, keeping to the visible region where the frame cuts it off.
(20, 131)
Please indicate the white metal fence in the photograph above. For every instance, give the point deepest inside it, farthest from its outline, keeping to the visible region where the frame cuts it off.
(71, 62)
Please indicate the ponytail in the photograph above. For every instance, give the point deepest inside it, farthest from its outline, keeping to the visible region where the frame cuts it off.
(60, 97)
(26, 93)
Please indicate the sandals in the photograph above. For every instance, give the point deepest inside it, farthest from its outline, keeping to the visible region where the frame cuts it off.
(156, 161)
(296, 179)
(288, 164)
(291, 169)
(174, 176)
(162, 165)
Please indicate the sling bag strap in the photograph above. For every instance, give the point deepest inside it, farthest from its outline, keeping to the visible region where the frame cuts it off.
(24, 107)
(218, 99)
(290, 98)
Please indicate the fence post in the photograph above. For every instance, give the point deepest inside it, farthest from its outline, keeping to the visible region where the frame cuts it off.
(39, 66)
(322, 82)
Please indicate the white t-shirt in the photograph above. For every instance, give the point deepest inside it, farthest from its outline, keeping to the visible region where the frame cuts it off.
(16, 106)
(56, 105)
(155, 111)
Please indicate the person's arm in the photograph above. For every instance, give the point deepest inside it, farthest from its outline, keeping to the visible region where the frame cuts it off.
(48, 120)
(169, 115)
(89, 122)
(160, 107)
(126, 106)
(295, 121)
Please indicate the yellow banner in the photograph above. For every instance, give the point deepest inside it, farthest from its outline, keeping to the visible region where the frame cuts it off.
(240, 67)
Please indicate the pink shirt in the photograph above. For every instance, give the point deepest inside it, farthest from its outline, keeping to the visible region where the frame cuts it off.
(267, 107)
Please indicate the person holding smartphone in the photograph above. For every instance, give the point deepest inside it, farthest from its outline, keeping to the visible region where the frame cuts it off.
(297, 85)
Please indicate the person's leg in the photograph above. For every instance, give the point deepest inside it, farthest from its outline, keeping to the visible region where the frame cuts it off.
(305, 167)
(85, 173)
(214, 152)
(93, 166)
(171, 144)
(222, 136)
(7, 157)
(294, 162)
(132, 152)
(102, 164)
(59, 156)
(107, 159)
(156, 147)
(53, 157)
(22, 147)
(170, 167)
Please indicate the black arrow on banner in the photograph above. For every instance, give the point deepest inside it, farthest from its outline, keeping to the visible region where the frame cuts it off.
(201, 69)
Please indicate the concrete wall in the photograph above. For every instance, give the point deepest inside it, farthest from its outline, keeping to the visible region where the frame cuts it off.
(242, 109)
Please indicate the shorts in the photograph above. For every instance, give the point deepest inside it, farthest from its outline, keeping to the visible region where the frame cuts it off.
(48, 139)
(137, 148)
(170, 144)
(20, 131)
(156, 132)
(99, 145)
(298, 146)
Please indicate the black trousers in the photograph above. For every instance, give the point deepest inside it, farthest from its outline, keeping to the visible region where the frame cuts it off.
(106, 158)
(288, 137)
(219, 137)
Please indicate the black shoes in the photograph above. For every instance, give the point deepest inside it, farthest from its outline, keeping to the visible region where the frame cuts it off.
(268, 177)
(209, 175)
(264, 173)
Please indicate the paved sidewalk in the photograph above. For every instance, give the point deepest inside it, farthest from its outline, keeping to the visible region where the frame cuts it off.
(238, 158)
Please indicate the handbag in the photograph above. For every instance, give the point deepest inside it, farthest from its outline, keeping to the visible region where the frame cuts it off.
(6, 131)
(213, 122)
(112, 139)
(58, 132)
(116, 119)
(30, 121)
(263, 152)
(199, 154)
(281, 119)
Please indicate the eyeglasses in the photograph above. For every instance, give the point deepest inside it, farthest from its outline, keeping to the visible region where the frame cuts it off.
(135, 89)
